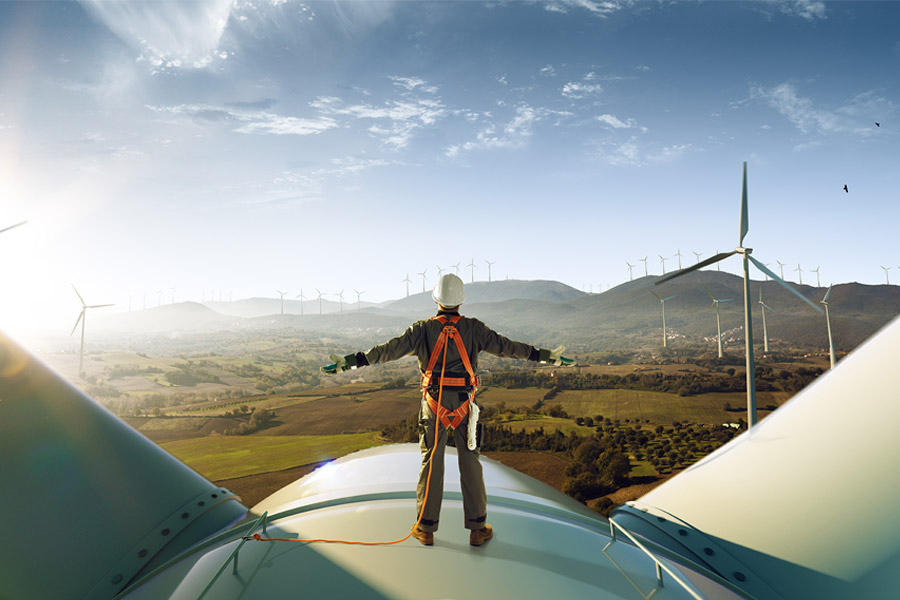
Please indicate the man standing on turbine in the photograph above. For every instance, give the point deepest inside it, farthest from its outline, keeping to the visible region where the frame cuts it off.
(447, 346)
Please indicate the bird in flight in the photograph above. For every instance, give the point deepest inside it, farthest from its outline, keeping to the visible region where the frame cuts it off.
(845, 189)
(877, 124)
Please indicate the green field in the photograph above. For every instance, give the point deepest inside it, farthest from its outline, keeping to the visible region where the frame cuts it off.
(227, 457)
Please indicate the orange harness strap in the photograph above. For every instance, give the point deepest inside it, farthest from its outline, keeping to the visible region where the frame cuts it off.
(447, 333)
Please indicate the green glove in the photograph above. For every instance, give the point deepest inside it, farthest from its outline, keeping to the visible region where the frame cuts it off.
(558, 359)
(341, 363)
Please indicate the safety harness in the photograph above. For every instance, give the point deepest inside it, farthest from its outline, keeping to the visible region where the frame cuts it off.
(448, 418)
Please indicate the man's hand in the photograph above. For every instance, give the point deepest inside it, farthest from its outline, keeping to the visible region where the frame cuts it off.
(340, 363)
(558, 359)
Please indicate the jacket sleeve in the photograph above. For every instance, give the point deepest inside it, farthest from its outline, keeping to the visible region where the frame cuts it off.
(493, 343)
(404, 344)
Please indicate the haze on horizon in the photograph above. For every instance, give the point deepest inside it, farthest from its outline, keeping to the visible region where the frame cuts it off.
(246, 147)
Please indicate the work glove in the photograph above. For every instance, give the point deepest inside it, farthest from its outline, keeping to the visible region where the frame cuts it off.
(558, 359)
(340, 363)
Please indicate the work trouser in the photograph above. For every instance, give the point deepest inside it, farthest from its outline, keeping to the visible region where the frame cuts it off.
(471, 478)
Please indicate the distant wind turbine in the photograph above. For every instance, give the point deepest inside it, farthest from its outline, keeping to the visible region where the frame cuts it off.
(407, 284)
(302, 298)
(816, 271)
(423, 278)
(887, 278)
(646, 271)
(764, 306)
(678, 254)
(340, 296)
(663, 259)
(358, 296)
(280, 293)
(320, 300)
(473, 267)
(799, 273)
(824, 302)
(698, 255)
(718, 320)
(748, 322)
(456, 266)
(440, 271)
(13, 226)
(662, 305)
(781, 267)
(489, 263)
(82, 319)
(630, 269)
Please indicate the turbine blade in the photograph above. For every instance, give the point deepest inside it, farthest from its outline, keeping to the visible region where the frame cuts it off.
(828, 293)
(666, 299)
(745, 217)
(78, 321)
(787, 286)
(12, 226)
(99, 305)
(655, 294)
(725, 299)
(700, 265)
(79, 295)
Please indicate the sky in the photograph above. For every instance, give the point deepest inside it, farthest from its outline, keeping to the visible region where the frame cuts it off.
(182, 151)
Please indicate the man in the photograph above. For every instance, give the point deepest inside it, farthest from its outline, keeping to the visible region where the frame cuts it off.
(447, 347)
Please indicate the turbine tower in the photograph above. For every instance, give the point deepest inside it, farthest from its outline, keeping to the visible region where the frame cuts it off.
(781, 266)
(748, 322)
(824, 302)
(302, 298)
(663, 259)
(473, 267)
(407, 281)
(887, 278)
(340, 296)
(678, 254)
(718, 320)
(282, 299)
(698, 255)
(320, 301)
(82, 319)
(358, 295)
(423, 278)
(662, 305)
(816, 271)
(799, 273)
(489, 263)
(646, 272)
(764, 306)
(630, 270)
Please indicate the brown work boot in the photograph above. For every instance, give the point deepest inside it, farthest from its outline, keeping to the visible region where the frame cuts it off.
(479, 536)
(426, 537)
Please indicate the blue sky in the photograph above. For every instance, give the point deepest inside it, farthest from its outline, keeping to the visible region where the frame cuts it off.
(238, 148)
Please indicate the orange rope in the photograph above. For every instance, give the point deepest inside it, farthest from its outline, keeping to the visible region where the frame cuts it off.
(259, 538)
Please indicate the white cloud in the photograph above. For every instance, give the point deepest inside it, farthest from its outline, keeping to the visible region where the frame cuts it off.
(601, 8)
(576, 90)
(548, 71)
(633, 154)
(805, 9)
(514, 134)
(248, 121)
(167, 34)
(615, 122)
(855, 116)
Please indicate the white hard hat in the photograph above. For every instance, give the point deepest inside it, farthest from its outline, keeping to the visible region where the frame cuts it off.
(449, 291)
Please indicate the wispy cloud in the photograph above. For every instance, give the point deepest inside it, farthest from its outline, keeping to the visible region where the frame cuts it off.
(633, 153)
(856, 116)
(810, 10)
(248, 121)
(616, 123)
(577, 90)
(513, 134)
(168, 34)
(602, 8)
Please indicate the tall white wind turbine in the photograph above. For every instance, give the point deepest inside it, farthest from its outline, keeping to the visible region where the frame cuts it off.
(280, 293)
(302, 298)
(781, 267)
(340, 296)
(489, 263)
(320, 300)
(358, 296)
(718, 320)
(748, 322)
(82, 319)
(456, 266)
(799, 273)
(887, 278)
(646, 271)
(678, 254)
(423, 278)
(816, 271)
(662, 306)
(662, 259)
(698, 255)
(630, 269)
(440, 271)
(824, 302)
(407, 281)
(473, 267)
(764, 306)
